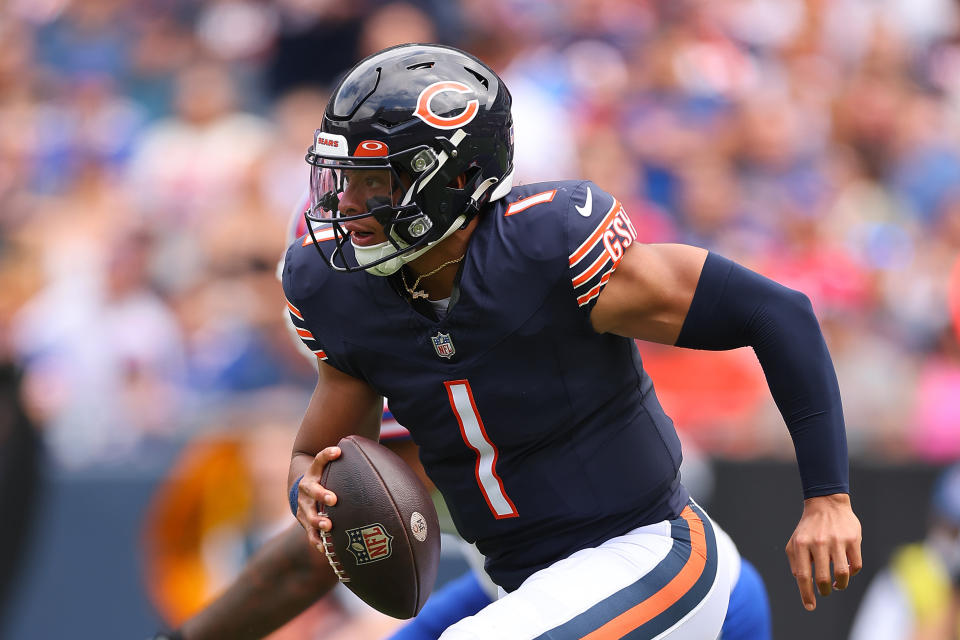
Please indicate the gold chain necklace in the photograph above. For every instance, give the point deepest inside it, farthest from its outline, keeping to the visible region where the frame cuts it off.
(416, 293)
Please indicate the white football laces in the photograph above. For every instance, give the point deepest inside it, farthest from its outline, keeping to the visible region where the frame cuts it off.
(331, 555)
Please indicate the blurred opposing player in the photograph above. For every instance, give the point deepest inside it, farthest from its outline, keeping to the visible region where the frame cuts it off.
(499, 322)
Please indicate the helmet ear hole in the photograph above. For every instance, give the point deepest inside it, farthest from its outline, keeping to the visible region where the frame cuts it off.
(461, 180)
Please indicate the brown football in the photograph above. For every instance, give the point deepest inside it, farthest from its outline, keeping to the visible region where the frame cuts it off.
(385, 541)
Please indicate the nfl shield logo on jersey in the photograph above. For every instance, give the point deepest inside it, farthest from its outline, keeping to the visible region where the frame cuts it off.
(443, 345)
(370, 543)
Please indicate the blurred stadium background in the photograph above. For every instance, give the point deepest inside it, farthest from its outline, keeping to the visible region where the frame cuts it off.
(151, 152)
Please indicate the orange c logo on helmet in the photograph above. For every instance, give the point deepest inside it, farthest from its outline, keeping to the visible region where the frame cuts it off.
(426, 113)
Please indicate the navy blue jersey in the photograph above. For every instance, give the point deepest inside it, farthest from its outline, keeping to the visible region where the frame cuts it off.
(544, 436)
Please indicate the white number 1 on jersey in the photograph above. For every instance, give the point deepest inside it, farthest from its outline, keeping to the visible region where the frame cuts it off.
(473, 433)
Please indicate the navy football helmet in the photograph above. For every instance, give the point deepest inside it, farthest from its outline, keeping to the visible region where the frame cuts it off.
(401, 127)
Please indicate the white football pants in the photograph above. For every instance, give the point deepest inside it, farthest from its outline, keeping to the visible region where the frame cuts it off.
(666, 581)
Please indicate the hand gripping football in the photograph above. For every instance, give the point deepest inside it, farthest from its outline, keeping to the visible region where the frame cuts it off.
(385, 541)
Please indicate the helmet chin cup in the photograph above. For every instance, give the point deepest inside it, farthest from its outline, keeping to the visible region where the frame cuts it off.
(373, 254)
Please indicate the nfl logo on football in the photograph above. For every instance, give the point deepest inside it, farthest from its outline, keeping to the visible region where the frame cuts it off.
(443, 345)
(370, 543)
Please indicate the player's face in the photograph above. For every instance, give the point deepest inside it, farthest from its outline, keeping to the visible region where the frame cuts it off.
(361, 190)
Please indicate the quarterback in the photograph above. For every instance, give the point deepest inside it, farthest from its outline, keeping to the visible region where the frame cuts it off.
(499, 322)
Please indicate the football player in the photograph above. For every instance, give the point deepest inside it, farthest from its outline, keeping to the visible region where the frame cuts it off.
(234, 612)
(748, 614)
(499, 322)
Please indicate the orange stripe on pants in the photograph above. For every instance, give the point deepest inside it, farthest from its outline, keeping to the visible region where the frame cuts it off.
(659, 602)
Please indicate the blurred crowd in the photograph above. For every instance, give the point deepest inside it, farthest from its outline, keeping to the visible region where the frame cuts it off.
(151, 152)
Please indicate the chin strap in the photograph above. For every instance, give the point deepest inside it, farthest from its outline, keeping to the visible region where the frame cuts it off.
(503, 187)
(480, 190)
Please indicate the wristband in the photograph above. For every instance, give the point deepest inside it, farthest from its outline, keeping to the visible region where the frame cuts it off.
(295, 495)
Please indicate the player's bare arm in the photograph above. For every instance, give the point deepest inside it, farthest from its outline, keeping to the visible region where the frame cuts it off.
(341, 405)
(282, 579)
(650, 297)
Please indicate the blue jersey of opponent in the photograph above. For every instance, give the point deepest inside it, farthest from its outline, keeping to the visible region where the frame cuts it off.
(544, 436)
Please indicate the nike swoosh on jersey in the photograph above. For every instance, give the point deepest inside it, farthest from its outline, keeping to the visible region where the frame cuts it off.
(587, 208)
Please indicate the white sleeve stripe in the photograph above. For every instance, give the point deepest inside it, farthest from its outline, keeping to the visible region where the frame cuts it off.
(593, 293)
(529, 201)
(298, 323)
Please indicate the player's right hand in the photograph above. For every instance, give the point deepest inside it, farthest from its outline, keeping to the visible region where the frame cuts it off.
(312, 495)
(828, 536)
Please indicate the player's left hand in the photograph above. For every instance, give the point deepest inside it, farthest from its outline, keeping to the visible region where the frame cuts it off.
(828, 533)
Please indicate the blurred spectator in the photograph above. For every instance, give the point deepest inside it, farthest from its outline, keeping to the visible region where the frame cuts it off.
(105, 375)
(237, 29)
(20, 438)
(20, 481)
(935, 423)
(162, 48)
(237, 342)
(918, 594)
(283, 171)
(316, 42)
(392, 24)
(198, 158)
(88, 38)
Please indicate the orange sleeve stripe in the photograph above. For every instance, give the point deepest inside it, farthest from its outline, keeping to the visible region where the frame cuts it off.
(294, 311)
(594, 238)
(659, 602)
(594, 292)
(303, 333)
(592, 270)
(525, 203)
